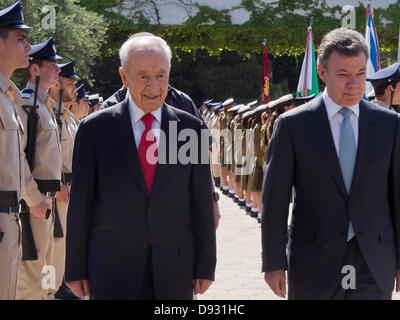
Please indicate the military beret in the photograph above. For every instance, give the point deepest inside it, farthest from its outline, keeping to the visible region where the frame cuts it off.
(228, 102)
(45, 51)
(82, 93)
(95, 99)
(386, 75)
(68, 70)
(252, 104)
(302, 100)
(12, 17)
(244, 109)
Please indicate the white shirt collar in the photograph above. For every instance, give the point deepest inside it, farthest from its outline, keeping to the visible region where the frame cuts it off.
(332, 108)
(137, 113)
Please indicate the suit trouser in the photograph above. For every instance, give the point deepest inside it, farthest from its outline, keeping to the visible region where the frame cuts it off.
(57, 260)
(30, 275)
(146, 291)
(365, 288)
(10, 255)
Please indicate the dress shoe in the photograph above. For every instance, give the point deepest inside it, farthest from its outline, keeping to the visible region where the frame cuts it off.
(225, 191)
(65, 293)
(217, 182)
(254, 214)
(242, 203)
(248, 210)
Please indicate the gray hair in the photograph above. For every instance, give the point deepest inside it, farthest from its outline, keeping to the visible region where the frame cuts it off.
(344, 41)
(133, 41)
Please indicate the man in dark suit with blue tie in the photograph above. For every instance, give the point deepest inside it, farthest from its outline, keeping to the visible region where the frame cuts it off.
(140, 221)
(341, 155)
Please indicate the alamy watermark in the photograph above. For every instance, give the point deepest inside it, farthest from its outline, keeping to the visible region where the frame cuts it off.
(49, 20)
(189, 146)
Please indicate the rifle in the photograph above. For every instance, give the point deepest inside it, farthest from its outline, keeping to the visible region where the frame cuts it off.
(29, 251)
(58, 232)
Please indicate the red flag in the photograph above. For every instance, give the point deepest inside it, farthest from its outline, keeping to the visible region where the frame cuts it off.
(265, 95)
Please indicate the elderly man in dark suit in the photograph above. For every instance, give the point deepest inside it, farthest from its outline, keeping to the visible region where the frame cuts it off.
(342, 156)
(139, 228)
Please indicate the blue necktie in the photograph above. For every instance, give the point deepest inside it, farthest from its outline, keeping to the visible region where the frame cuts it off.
(347, 155)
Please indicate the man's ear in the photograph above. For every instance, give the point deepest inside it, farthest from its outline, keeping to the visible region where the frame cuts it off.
(34, 69)
(123, 77)
(321, 72)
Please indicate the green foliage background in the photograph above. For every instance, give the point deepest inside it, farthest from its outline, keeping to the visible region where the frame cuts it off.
(212, 56)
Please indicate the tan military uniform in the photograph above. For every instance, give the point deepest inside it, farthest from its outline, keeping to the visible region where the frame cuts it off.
(47, 166)
(12, 172)
(257, 171)
(68, 133)
(244, 180)
(223, 124)
(264, 145)
(215, 154)
(237, 147)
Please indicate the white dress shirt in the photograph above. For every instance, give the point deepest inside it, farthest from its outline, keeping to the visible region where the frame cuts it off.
(138, 125)
(335, 119)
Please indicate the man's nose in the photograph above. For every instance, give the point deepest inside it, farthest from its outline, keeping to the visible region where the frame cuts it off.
(153, 82)
(353, 81)
(28, 46)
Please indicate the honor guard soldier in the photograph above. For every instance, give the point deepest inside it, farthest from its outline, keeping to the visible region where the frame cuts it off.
(94, 102)
(67, 82)
(236, 131)
(223, 124)
(256, 178)
(245, 163)
(213, 124)
(65, 94)
(387, 88)
(226, 141)
(82, 109)
(13, 55)
(43, 156)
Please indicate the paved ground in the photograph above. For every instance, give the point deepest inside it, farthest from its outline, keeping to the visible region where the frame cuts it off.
(238, 275)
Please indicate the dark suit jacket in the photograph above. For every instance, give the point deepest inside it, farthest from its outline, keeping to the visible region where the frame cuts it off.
(302, 154)
(111, 216)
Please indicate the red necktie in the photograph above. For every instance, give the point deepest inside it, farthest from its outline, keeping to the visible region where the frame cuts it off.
(148, 152)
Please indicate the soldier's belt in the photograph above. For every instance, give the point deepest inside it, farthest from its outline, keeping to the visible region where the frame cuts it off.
(8, 199)
(66, 178)
(48, 187)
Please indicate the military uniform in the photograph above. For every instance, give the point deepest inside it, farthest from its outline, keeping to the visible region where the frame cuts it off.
(46, 172)
(381, 80)
(12, 168)
(257, 168)
(69, 128)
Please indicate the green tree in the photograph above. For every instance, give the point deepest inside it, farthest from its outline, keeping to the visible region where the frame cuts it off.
(79, 33)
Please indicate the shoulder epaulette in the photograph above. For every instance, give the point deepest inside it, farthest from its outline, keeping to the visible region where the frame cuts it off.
(26, 93)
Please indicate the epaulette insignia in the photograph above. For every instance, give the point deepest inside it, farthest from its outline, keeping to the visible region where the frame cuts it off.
(26, 93)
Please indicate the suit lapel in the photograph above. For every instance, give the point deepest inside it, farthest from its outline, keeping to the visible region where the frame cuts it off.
(125, 140)
(168, 115)
(321, 129)
(365, 134)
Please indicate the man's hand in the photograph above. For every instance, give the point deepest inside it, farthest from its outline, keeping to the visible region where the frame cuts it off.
(201, 286)
(80, 288)
(277, 282)
(217, 215)
(398, 281)
(39, 211)
(63, 195)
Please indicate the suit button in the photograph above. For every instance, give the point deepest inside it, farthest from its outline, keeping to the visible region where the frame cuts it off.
(145, 245)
